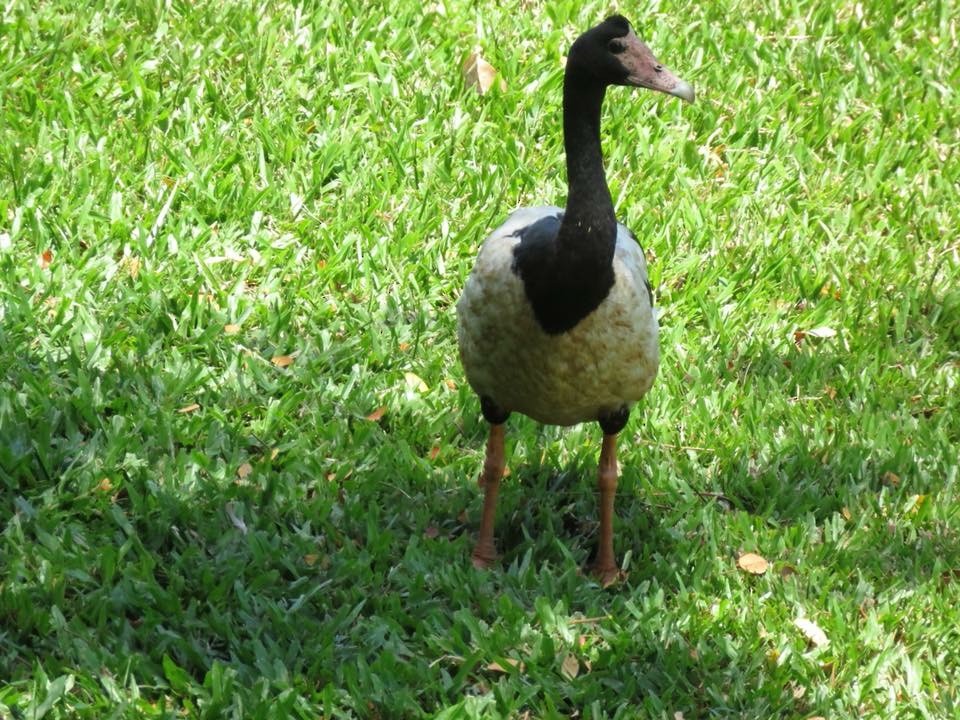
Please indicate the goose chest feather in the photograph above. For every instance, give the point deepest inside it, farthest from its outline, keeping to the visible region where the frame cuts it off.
(570, 362)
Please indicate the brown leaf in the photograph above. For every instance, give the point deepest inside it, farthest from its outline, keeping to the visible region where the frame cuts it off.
(188, 408)
(451, 385)
(377, 414)
(404, 346)
(105, 485)
(787, 570)
(311, 559)
(478, 73)
(431, 532)
(244, 470)
(811, 631)
(434, 451)
(231, 329)
(513, 663)
(847, 515)
(46, 257)
(753, 563)
(891, 479)
(570, 667)
(282, 360)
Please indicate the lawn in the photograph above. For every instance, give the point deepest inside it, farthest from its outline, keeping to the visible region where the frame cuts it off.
(238, 455)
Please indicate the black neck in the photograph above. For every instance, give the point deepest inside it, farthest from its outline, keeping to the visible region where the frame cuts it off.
(589, 214)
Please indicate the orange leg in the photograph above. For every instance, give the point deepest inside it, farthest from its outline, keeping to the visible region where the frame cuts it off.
(485, 553)
(604, 567)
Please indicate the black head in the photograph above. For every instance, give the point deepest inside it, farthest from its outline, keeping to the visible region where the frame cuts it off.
(612, 54)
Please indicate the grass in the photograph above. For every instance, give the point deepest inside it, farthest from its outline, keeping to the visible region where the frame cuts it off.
(231, 232)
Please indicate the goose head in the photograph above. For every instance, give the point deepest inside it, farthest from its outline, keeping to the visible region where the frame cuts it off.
(612, 54)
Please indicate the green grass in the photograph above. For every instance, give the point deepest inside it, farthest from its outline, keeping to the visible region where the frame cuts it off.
(191, 189)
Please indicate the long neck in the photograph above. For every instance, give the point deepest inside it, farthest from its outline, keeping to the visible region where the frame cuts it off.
(589, 206)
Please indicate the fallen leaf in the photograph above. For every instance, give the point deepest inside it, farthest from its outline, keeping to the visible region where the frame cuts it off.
(570, 667)
(244, 470)
(46, 257)
(188, 408)
(404, 346)
(451, 385)
(431, 532)
(847, 515)
(478, 73)
(514, 665)
(377, 414)
(787, 570)
(822, 332)
(434, 451)
(131, 264)
(311, 559)
(753, 563)
(891, 479)
(282, 360)
(231, 329)
(811, 631)
(105, 485)
(414, 381)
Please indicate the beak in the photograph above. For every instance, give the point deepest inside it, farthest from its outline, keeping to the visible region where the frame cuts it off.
(645, 71)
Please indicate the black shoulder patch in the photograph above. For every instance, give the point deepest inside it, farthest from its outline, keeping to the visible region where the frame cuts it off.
(562, 289)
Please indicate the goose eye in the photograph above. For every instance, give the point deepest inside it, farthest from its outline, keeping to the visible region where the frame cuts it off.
(616, 47)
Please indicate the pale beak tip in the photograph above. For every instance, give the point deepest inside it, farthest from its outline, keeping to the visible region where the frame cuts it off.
(684, 91)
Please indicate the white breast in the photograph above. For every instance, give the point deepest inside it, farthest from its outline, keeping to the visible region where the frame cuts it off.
(608, 360)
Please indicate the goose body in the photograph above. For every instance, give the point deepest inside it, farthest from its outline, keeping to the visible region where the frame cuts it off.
(556, 320)
(607, 361)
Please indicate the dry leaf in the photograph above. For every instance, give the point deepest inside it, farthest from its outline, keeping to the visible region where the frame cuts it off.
(811, 631)
(787, 570)
(274, 453)
(570, 667)
(478, 73)
(311, 559)
(244, 470)
(404, 346)
(431, 532)
(282, 360)
(514, 664)
(434, 451)
(131, 264)
(847, 515)
(414, 381)
(377, 414)
(753, 563)
(188, 408)
(890, 478)
(451, 385)
(231, 329)
(822, 332)
(46, 257)
(105, 485)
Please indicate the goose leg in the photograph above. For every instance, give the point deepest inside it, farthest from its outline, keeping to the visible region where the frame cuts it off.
(604, 567)
(485, 553)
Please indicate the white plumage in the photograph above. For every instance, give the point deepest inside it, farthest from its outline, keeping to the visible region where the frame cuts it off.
(607, 361)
